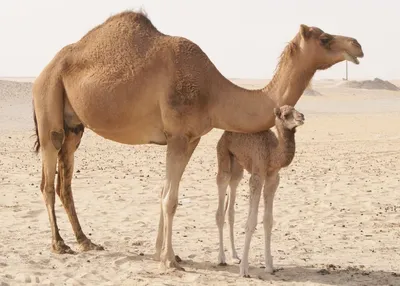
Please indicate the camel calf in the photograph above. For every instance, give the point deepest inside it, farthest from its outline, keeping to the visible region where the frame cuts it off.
(262, 154)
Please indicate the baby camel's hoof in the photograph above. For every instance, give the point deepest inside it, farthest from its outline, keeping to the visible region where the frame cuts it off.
(61, 248)
(88, 245)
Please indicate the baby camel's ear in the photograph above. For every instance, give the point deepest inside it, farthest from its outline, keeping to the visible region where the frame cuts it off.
(277, 112)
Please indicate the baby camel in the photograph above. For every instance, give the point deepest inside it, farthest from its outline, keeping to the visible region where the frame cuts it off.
(262, 154)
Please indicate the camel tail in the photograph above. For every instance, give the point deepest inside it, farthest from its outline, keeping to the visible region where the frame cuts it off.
(36, 146)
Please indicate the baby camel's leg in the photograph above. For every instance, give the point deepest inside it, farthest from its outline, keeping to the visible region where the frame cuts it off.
(271, 184)
(256, 182)
(223, 178)
(237, 175)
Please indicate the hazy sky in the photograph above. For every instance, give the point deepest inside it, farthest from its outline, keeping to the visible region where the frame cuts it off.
(242, 38)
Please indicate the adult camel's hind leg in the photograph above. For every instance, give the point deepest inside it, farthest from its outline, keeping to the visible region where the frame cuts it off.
(179, 151)
(51, 138)
(48, 118)
(64, 191)
(49, 160)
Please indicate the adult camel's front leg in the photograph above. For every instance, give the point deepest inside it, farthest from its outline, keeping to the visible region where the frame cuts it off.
(64, 191)
(160, 232)
(179, 151)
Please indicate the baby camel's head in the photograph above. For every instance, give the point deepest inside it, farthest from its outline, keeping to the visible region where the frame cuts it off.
(288, 117)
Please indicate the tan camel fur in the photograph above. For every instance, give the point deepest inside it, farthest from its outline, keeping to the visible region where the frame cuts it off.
(262, 154)
(130, 83)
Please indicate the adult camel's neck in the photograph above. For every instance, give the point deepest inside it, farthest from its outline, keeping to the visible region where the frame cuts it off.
(290, 80)
(241, 110)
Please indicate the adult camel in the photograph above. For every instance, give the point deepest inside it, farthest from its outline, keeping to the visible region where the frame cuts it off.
(130, 83)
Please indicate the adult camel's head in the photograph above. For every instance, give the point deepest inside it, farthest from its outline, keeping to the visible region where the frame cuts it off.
(327, 49)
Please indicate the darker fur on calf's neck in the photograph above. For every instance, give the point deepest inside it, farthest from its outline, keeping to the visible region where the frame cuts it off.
(286, 145)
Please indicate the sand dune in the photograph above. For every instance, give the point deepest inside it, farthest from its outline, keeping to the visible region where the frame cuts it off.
(377, 83)
(337, 211)
(311, 92)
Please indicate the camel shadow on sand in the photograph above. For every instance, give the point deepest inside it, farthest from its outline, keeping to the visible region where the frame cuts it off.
(329, 275)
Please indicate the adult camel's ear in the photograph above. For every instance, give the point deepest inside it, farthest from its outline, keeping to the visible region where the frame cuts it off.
(277, 112)
(305, 31)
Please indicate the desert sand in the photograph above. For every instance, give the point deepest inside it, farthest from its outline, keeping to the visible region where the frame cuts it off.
(336, 212)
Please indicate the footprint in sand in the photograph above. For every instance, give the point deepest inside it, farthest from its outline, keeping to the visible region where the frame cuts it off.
(33, 213)
(121, 262)
(26, 278)
(73, 282)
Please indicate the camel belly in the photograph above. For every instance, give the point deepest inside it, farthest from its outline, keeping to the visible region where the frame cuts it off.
(129, 127)
(134, 135)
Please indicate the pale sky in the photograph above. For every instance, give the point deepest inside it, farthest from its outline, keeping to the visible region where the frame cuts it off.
(243, 38)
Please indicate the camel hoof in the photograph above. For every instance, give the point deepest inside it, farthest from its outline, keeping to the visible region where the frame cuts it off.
(269, 270)
(246, 276)
(175, 265)
(236, 258)
(61, 248)
(156, 256)
(87, 245)
(222, 264)
(172, 264)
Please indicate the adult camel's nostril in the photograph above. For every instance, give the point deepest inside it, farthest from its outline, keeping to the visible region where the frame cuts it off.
(355, 43)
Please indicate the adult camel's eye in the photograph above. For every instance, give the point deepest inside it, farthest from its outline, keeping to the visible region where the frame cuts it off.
(325, 39)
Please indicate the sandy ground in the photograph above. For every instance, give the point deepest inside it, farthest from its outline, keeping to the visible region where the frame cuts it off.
(337, 210)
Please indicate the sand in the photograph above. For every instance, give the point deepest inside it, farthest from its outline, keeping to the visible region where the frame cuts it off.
(337, 210)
